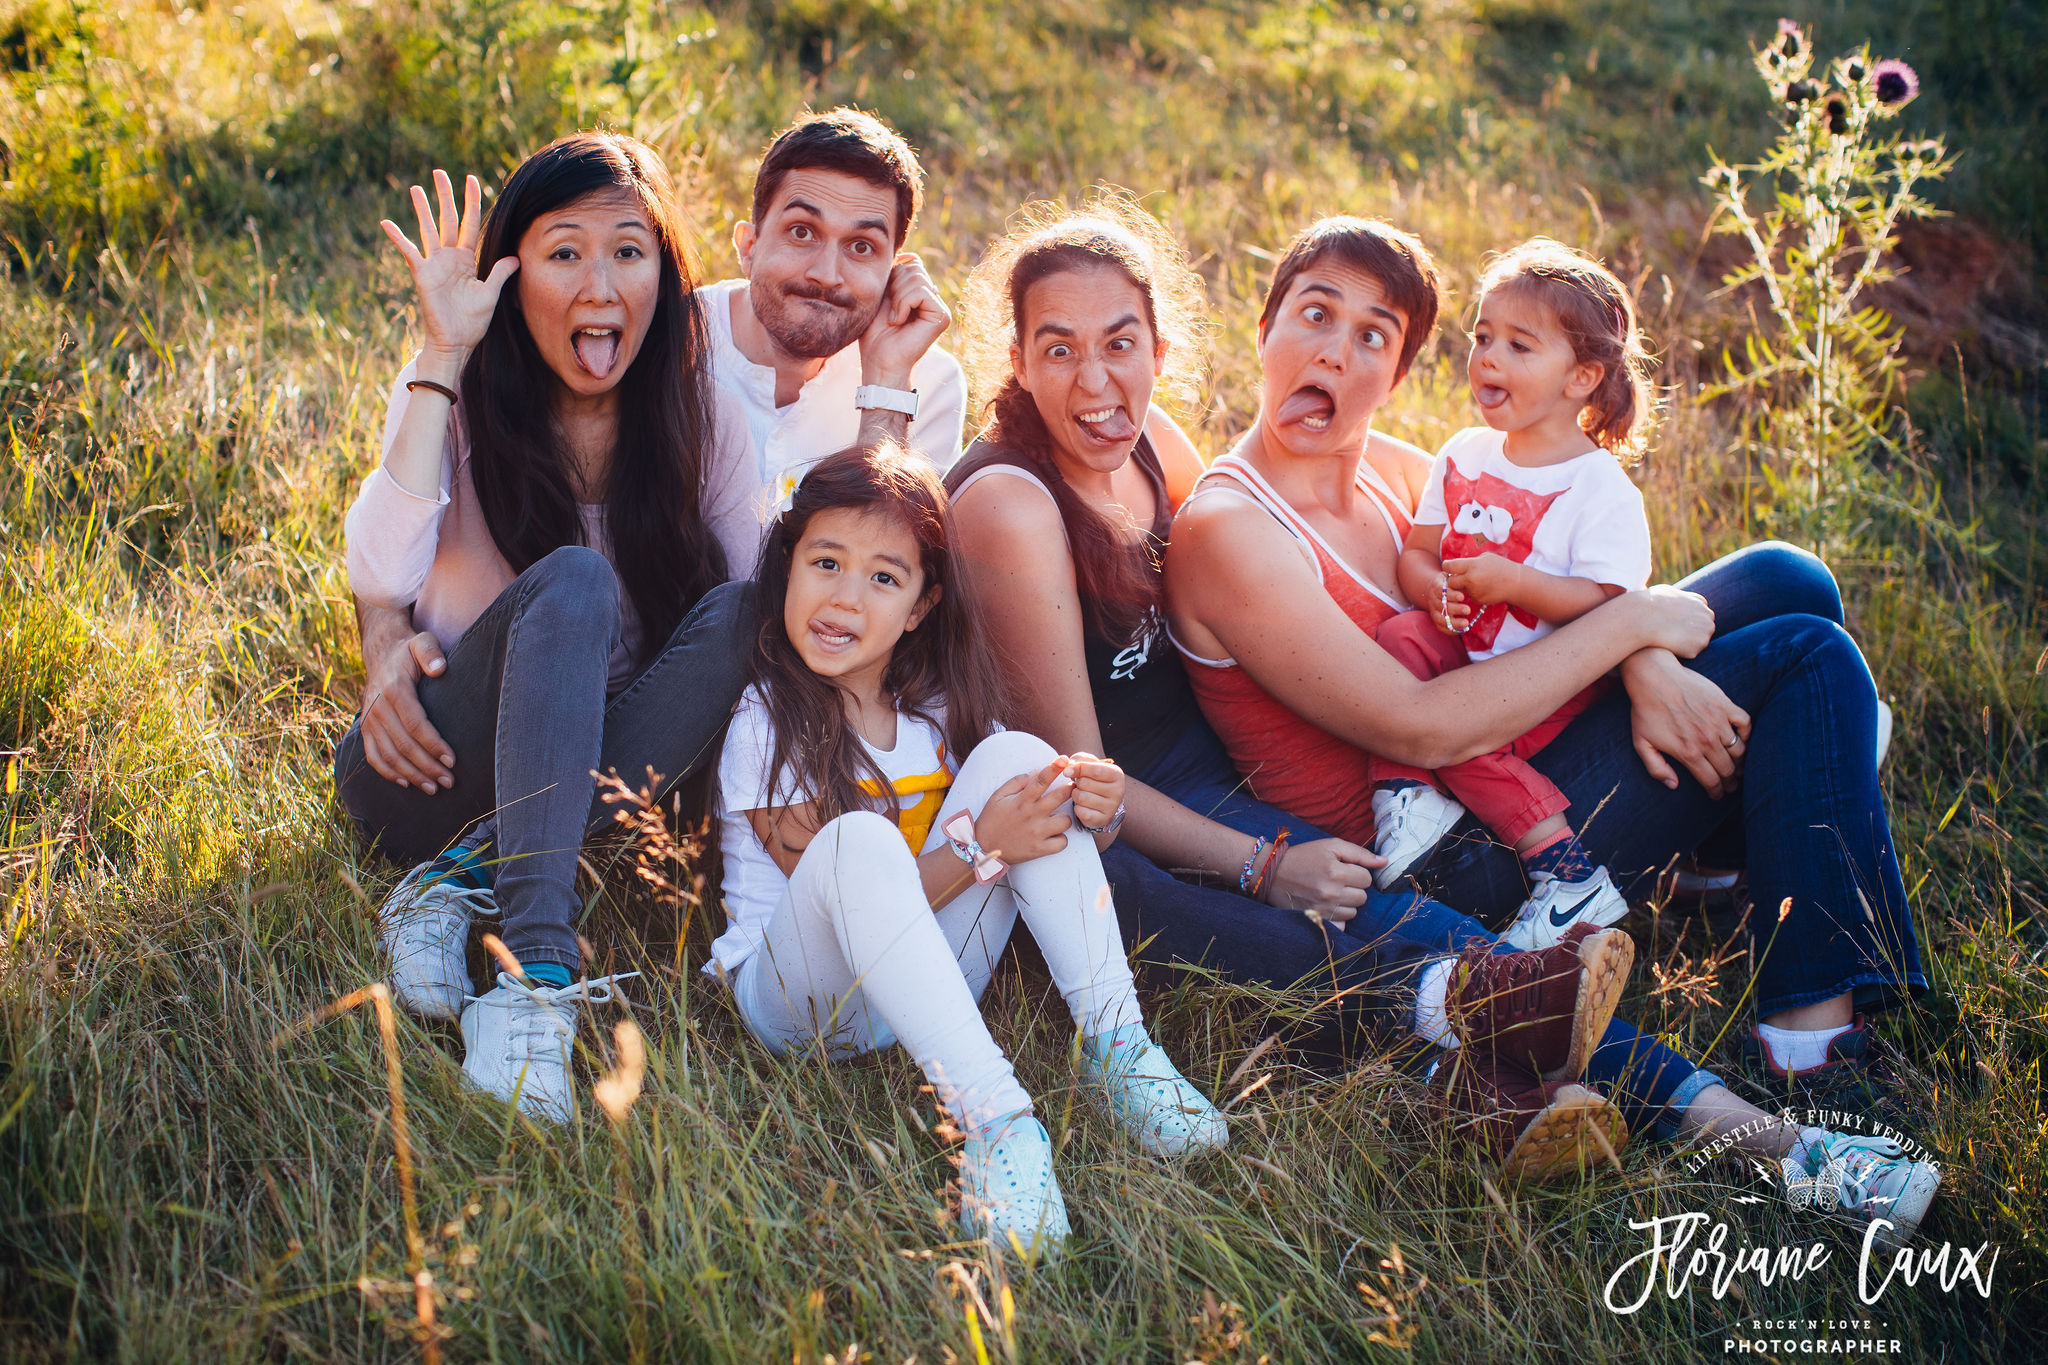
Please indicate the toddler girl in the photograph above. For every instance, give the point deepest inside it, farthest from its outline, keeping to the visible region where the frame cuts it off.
(1526, 523)
(862, 911)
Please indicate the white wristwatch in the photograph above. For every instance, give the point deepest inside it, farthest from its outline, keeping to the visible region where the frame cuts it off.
(888, 400)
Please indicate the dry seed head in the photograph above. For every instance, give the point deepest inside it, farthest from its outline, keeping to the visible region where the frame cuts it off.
(495, 946)
(620, 1087)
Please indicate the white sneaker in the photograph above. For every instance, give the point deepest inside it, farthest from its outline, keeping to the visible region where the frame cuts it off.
(517, 1041)
(1149, 1097)
(1884, 731)
(1407, 824)
(1555, 908)
(424, 929)
(1008, 1195)
(1863, 1179)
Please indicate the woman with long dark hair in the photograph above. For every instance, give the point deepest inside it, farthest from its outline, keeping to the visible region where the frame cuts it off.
(549, 510)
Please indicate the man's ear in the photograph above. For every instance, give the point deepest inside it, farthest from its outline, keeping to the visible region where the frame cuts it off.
(743, 239)
(924, 606)
(1159, 358)
(1017, 367)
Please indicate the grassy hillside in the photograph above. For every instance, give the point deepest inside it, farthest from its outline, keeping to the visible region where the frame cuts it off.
(197, 325)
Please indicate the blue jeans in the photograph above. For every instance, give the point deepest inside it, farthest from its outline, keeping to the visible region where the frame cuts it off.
(1808, 820)
(1369, 969)
(522, 705)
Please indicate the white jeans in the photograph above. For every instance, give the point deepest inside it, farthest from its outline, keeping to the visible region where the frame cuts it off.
(856, 957)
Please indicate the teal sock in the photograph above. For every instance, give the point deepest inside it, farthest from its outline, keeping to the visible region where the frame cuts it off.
(1129, 1040)
(547, 973)
(470, 866)
(1564, 858)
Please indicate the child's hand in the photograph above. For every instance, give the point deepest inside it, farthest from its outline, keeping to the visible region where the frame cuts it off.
(1098, 789)
(1483, 578)
(1024, 819)
(1448, 608)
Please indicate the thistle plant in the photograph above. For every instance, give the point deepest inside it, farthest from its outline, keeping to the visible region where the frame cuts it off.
(1823, 367)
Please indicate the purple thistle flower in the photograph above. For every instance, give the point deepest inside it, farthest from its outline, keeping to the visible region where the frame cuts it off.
(1788, 36)
(1838, 116)
(1896, 82)
(1799, 92)
(1856, 72)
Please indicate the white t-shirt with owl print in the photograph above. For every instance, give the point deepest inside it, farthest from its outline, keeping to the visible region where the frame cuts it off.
(1579, 519)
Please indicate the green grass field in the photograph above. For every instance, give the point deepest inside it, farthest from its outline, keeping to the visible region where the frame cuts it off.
(197, 326)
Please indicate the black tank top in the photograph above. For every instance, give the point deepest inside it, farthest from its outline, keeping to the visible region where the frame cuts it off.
(1142, 699)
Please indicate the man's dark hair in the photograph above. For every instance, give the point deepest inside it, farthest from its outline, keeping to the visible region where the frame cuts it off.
(852, 143)
(1397, 259)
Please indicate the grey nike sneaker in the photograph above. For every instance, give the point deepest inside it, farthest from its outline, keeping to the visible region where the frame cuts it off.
(424, 928)
(1555, 908)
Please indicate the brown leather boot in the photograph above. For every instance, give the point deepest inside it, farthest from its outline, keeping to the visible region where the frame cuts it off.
(1543, 1011)
(1538, 1130)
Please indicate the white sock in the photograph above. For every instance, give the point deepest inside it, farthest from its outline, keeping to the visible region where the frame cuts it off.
(1799, 1049)
(1432, 1021)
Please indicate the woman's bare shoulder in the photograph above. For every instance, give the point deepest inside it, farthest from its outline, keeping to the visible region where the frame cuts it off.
(1405, 467)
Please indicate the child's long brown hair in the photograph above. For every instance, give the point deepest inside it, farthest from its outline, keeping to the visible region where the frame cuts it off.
(942, 672)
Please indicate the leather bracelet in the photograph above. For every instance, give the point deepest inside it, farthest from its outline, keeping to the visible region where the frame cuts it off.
(434, 386)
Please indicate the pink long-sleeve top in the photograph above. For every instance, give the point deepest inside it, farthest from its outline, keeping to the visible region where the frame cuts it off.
(432, 551)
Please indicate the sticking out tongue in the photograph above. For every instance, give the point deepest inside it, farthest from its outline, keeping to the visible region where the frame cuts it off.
(597, 354)
(1305, 402)
(1115, 427)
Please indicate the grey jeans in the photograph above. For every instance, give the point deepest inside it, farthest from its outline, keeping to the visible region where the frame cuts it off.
(522, 706)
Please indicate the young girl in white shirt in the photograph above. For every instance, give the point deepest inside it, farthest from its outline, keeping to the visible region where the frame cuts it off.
(861, 909)
(1527, 522)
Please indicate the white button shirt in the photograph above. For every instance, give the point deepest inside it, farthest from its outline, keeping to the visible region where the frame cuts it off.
(823, 419)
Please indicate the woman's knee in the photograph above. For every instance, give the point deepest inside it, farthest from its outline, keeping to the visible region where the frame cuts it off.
(575, 586)
(1778, 579)
(1800, 577)
(1798, 643)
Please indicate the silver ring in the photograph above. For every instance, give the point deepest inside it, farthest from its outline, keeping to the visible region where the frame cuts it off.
(1730, 742)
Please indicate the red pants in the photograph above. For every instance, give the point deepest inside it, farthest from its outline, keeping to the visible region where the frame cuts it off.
(1509, 797)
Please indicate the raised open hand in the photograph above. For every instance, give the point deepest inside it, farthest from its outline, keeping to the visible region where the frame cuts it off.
(455, 306)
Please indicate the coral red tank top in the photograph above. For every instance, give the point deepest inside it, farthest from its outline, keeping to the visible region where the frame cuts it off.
(1287, 761)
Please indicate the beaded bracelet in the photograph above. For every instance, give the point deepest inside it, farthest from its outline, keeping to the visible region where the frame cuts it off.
(1244, 878)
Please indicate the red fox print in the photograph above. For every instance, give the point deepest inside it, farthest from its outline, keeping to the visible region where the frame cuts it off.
(1491, 516)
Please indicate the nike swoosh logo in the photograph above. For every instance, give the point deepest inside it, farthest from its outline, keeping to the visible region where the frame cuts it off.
(1560, 918)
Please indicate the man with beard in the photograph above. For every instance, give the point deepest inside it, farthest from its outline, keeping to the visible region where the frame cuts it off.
(828, 339)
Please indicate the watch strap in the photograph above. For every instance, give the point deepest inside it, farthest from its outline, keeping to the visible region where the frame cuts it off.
(886, 399)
